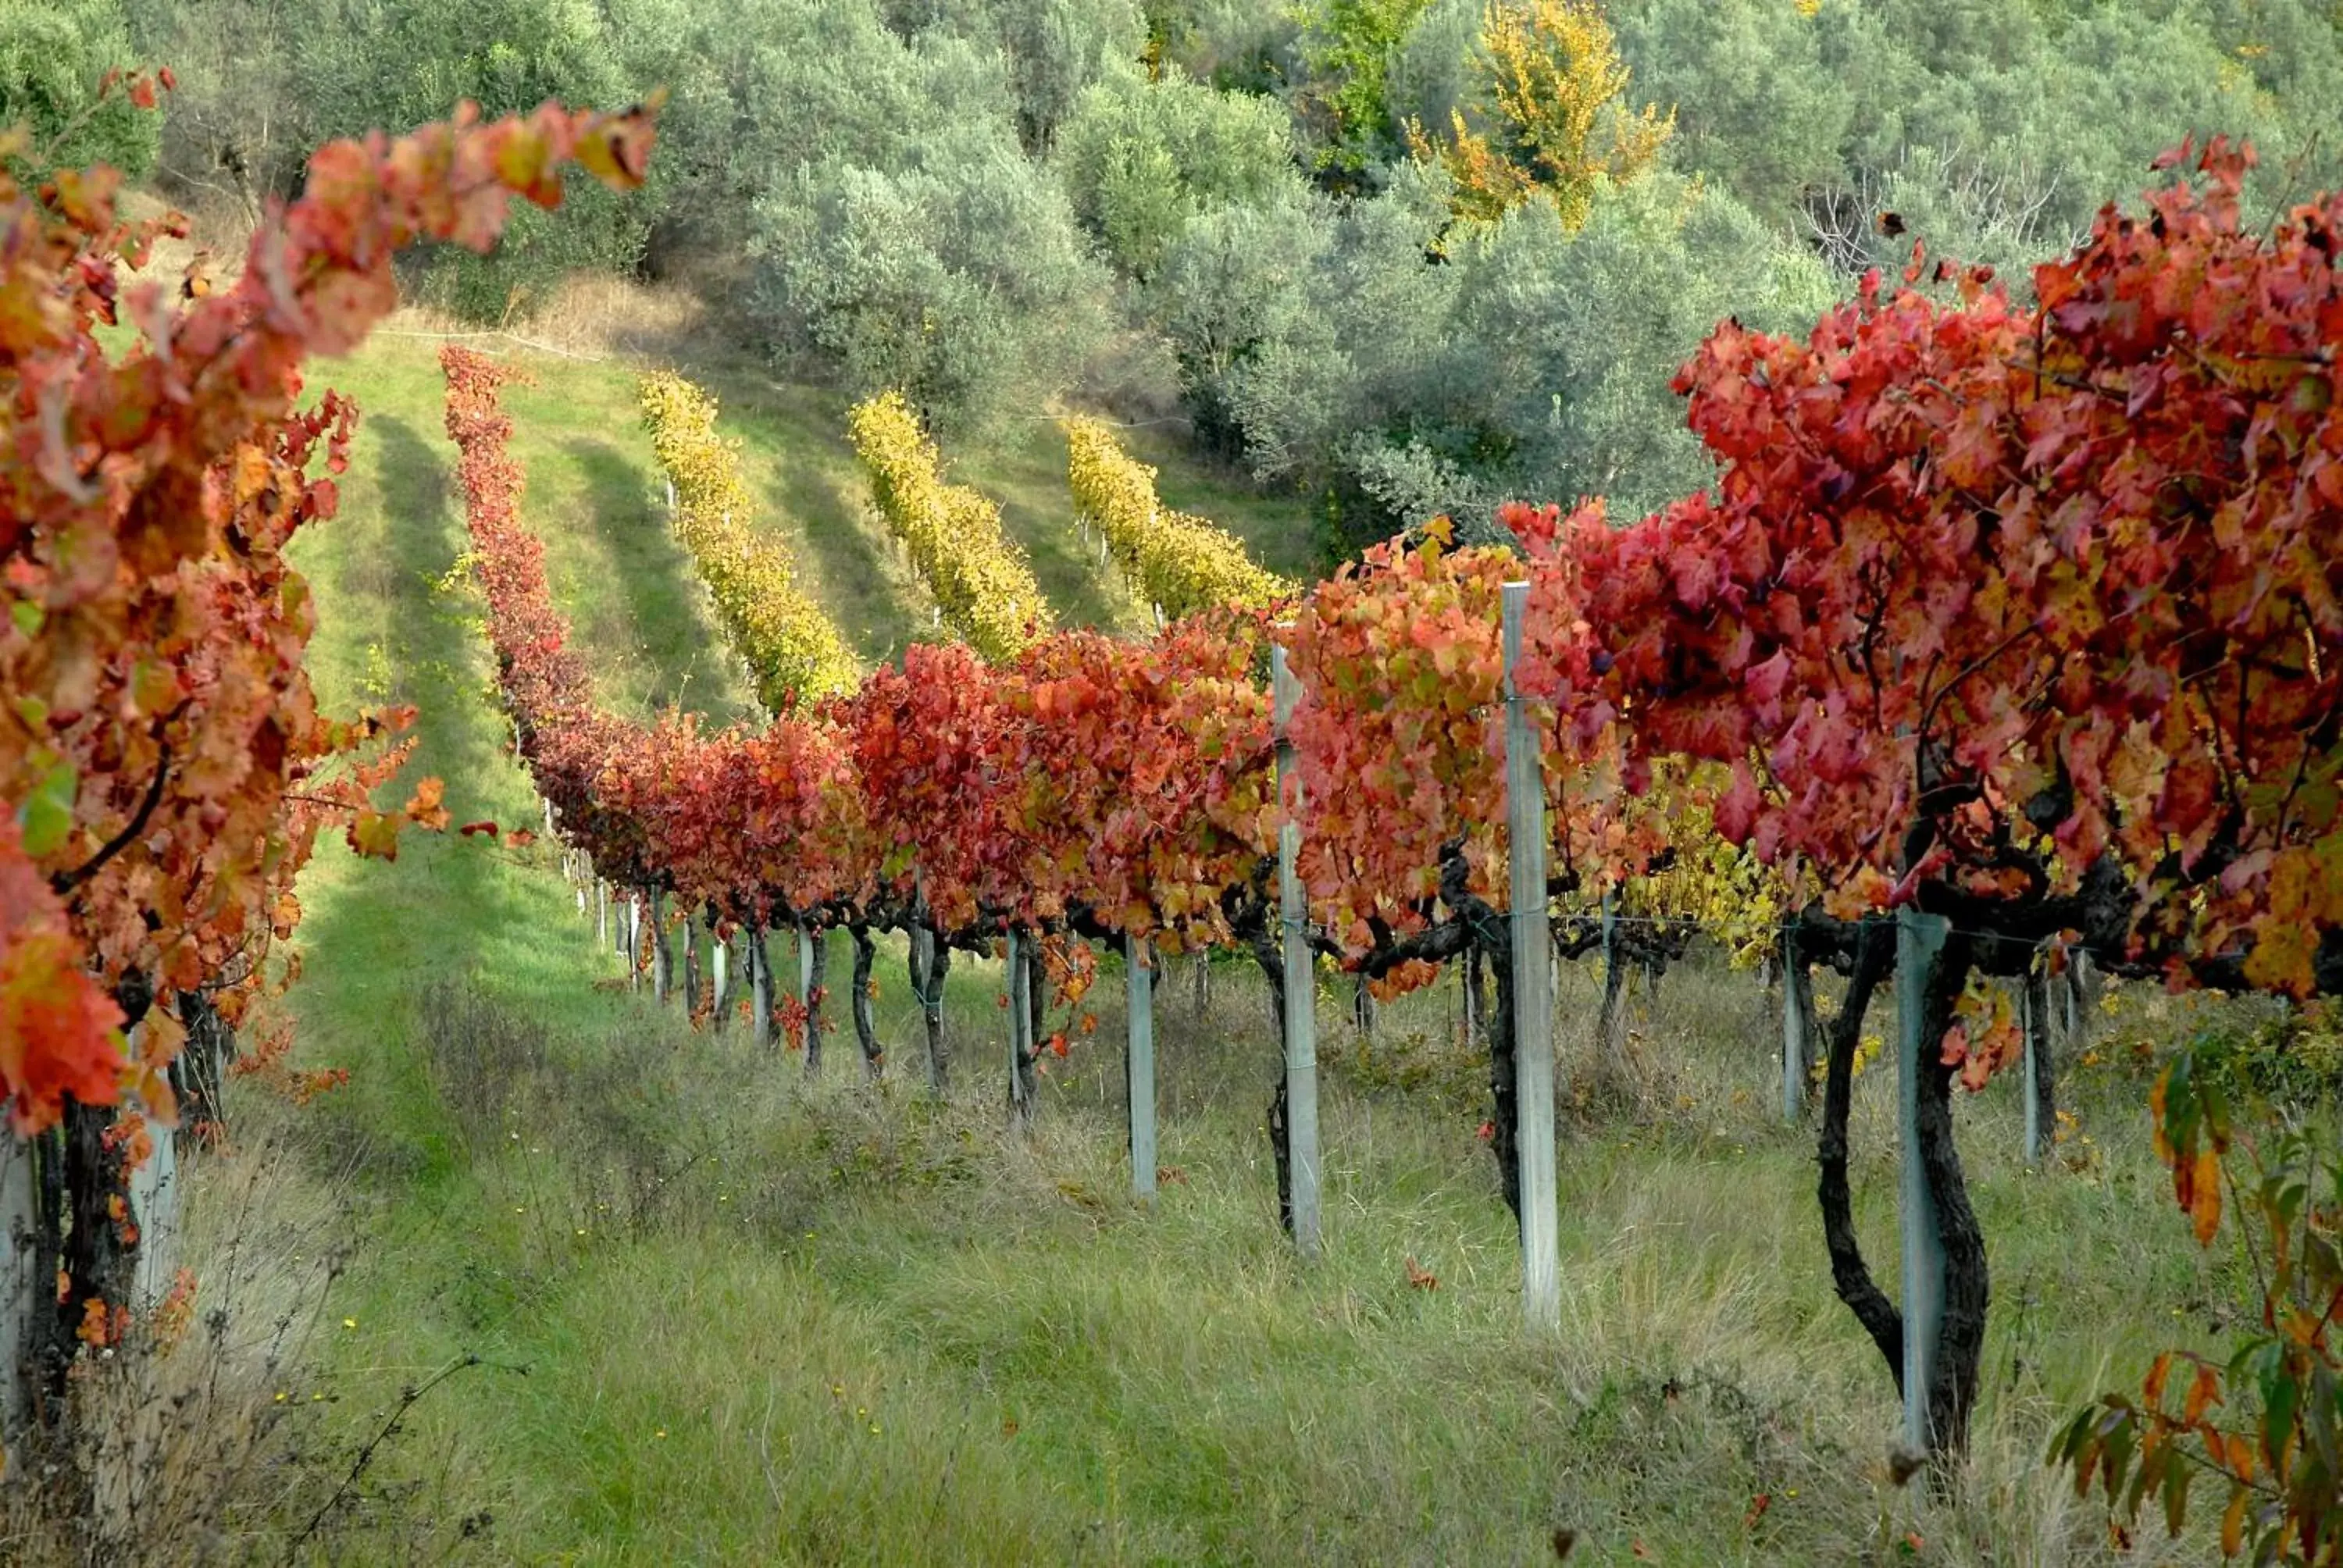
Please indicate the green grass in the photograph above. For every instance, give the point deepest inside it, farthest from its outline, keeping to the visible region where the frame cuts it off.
(595, 486)
(728, 1317)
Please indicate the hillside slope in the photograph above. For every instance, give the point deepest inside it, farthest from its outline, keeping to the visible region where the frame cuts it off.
(724, 1317)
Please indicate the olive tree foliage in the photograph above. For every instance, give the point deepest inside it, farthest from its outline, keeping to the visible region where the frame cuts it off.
(957, 275)
(1141, 159)
(760, 90)
(1992, 130)
(263, 82)
(1052, 50)
(1431, 74)
(236, 130)
(868, 171)
(52, 55)
(1522, 359)
(1241, 46)
(1579, 334)
(1234, 284)
(1755, 109)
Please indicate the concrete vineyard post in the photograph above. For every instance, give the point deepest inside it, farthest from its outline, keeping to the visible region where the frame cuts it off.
(18, 1298)
(922, 959)
(1611, 1022)
(1021, 1105)
(761, 988)
(1300, 987)
(2034, 1014)
(635, 941)
(720, 963)
(1919, 941)
(1532, 935)
(804, 993)
(156, 1198)
(927, 979)
(659, 950)
(601, 912)
(1139, 966)
(1798, 1007)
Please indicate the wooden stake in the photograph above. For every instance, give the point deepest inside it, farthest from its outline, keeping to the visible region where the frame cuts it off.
(1919, 939)
(1139, 966)
(1301, 980)
(1533, 935)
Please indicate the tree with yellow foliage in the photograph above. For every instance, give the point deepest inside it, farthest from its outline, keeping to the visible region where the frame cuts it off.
(1554, 84)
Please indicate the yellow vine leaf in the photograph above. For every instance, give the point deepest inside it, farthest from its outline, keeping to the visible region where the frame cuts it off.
(792, 649)
(1180, 563)
(982, 585)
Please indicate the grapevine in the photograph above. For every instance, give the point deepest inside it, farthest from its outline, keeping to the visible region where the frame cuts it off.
(794, 651)
(1181, 564)
(982, 585)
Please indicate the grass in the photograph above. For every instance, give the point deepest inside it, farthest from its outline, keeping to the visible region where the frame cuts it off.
(593, 479)
(723, 1315)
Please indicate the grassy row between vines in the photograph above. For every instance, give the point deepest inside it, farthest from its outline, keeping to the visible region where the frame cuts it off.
(724, 1317)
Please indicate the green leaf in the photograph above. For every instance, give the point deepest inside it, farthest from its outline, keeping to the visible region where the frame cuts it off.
(2280, 1394)
(2177, 1476)
(47, 815)
(29, 616)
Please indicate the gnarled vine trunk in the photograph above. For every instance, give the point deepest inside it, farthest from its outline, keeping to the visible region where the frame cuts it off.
(81, 1257)
(1611, 1023)
(1968, 1284)
(1271, 956)
(1504, 1124)
(929, 962)
(818, 953)
(1875, 956)
(201, 1071)
(1951, 1395)
(866, 1030)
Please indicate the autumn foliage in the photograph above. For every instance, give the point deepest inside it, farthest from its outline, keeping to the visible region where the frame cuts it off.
(1179, 564)
(1989, 601)
(162, 749)
(793, 651)
(983, 588)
